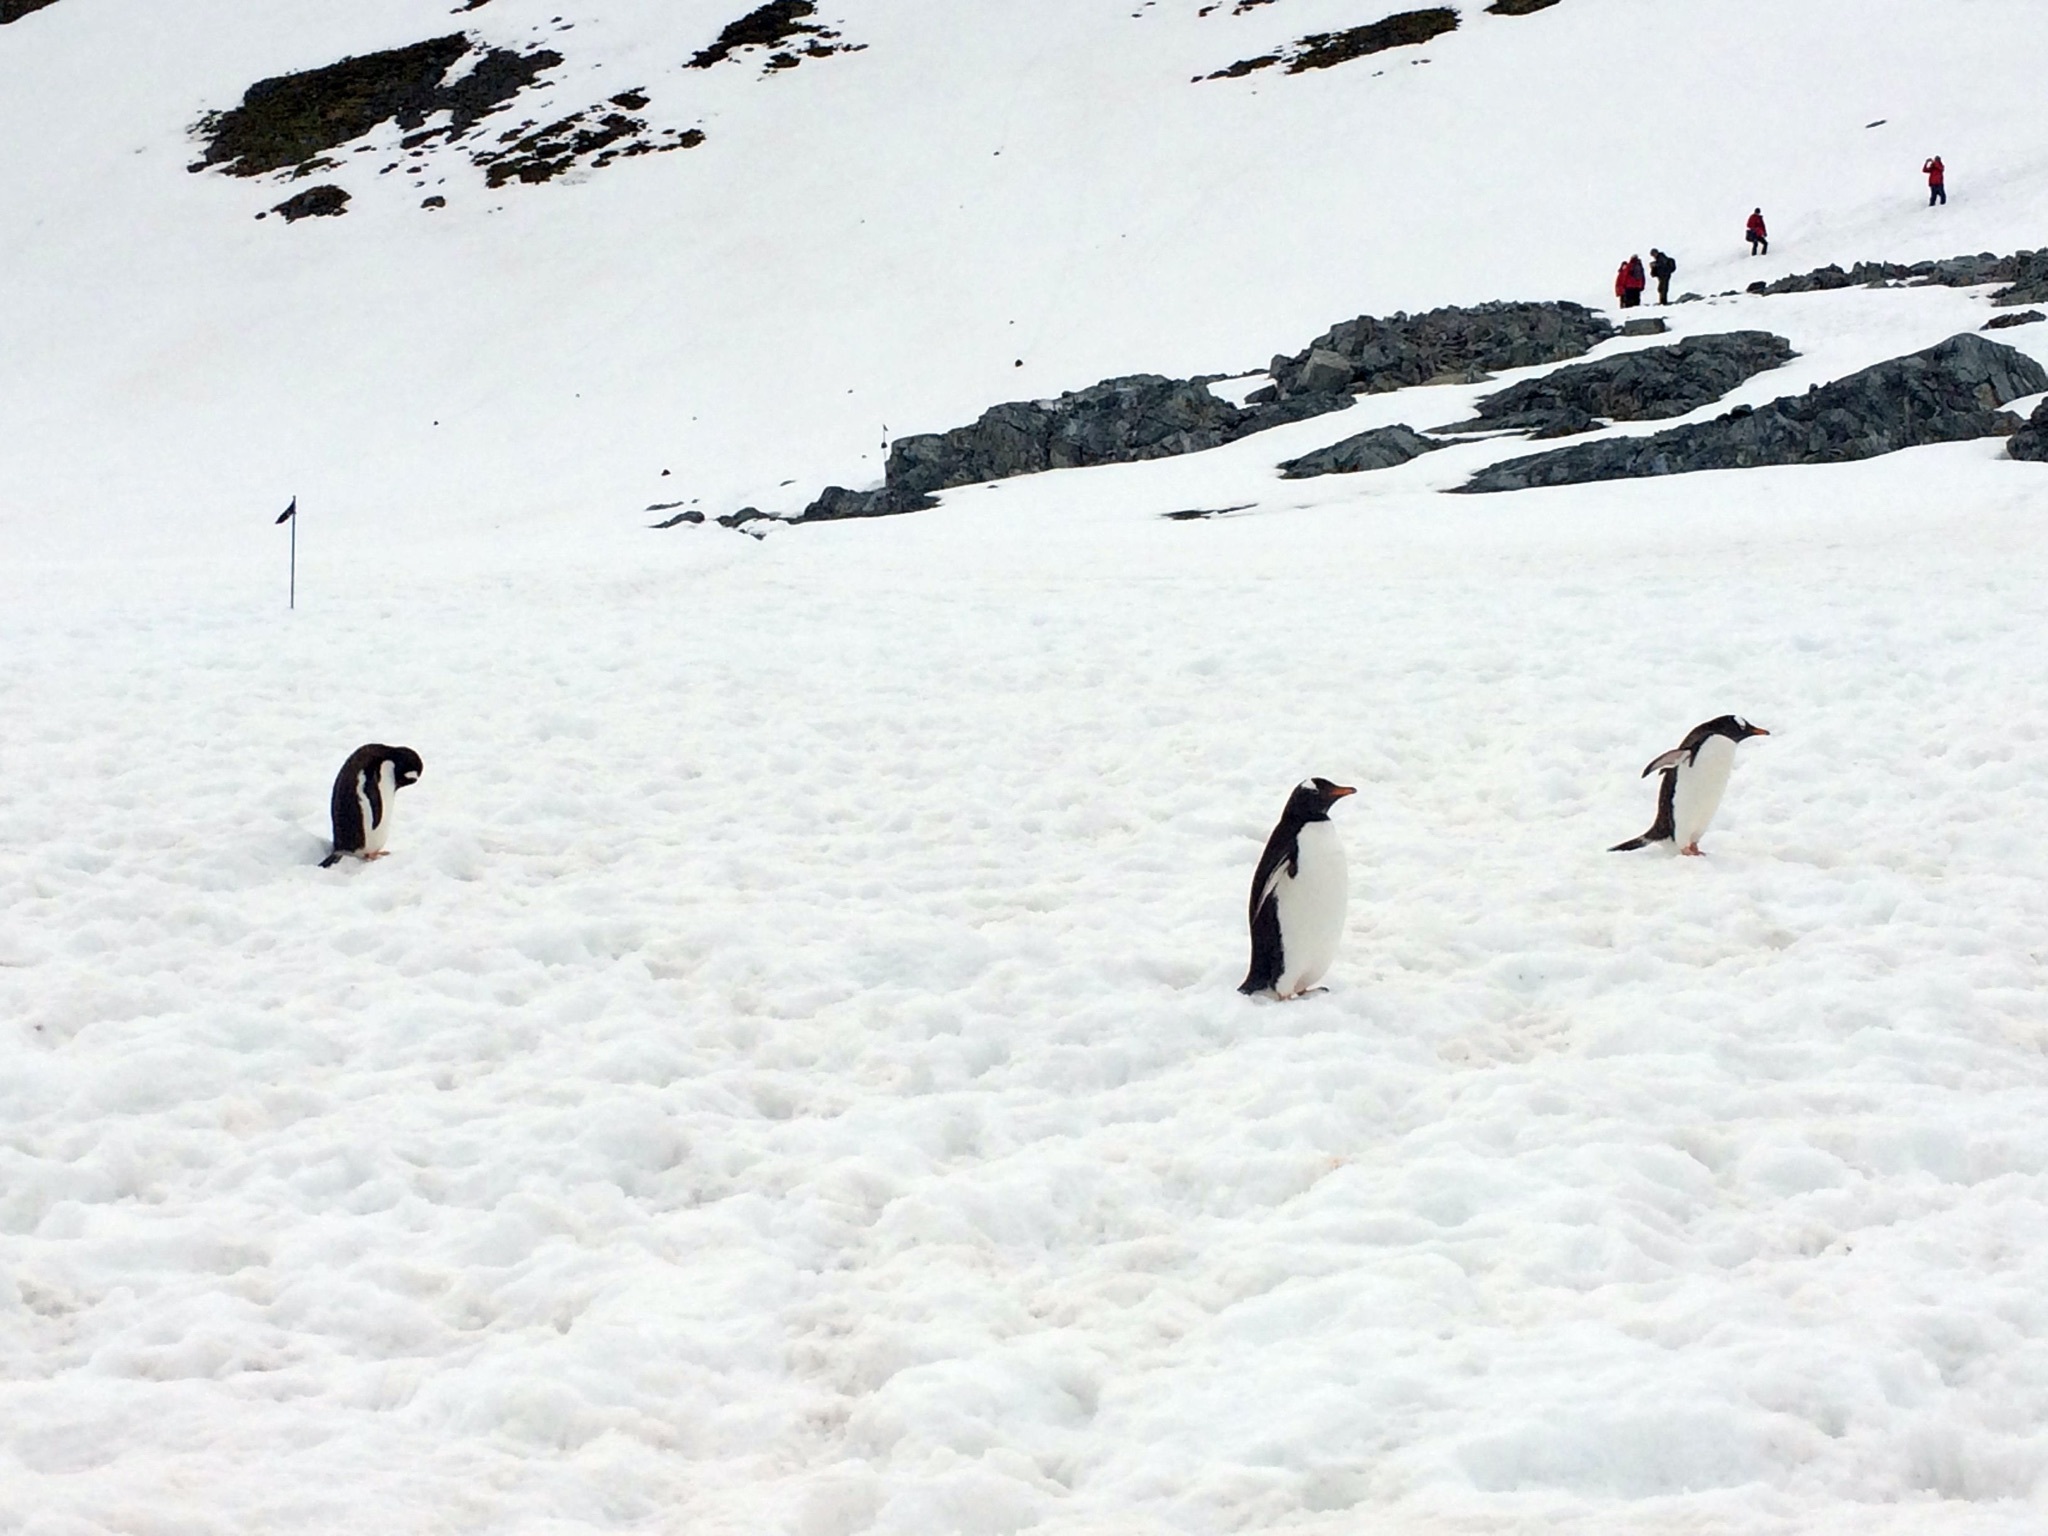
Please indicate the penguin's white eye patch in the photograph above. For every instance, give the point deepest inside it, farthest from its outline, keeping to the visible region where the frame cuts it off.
(1308, 784)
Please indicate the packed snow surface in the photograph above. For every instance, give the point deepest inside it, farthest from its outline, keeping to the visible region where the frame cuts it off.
(787, 1075)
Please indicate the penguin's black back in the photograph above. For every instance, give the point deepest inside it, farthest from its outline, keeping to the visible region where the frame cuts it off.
(1667, 801)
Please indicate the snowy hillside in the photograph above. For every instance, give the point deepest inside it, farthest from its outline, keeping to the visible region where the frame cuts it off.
(788, 1076)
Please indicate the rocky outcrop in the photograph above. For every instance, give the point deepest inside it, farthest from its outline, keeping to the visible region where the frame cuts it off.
(325, 202)
(1948, 393)
(1456, 345)
(1148, 416)
(1381, 448)
(1323, 50)
(1648, 385)
(14, 10)
(780, 25)
(1118, 421)
(2007, 322)
(2024, 272)
(2031, 441)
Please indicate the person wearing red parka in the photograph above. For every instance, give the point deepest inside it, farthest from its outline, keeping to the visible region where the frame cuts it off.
(1759, 237)
(1628, 282)
(1937, 188)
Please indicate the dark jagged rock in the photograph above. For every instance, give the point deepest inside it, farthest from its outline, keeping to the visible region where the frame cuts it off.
(1649, 325)
(1322, 50)
(289, 119)
(2024, 272)
(1117, 421)
(1948, 393)
(774, 25)
(1450, 345)
(14, 10)
(593, 136)
(2031, 441)
(1519, 7)
(1647, 385)
(1148, 416)
(2006, 322)
(313, 203)
(1381, 448)
(836, 503)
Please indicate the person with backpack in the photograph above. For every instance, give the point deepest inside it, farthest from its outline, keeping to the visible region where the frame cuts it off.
(1937, 189)
(1661, 268)
(1759, 237)
(1628, 282)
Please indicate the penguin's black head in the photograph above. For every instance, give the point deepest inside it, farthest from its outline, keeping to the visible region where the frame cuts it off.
(1312, 799)
(1735, 728)
(406, 766)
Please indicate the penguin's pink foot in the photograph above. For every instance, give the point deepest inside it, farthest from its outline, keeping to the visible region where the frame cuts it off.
(385, 853)
(1692, 850)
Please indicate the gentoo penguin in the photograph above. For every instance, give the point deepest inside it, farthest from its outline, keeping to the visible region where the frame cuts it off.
(1298, 895)
(1695, 772)
(363, 792)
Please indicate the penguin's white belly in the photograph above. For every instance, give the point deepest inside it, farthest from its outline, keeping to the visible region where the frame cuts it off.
(1697, 794)
(1310, 906)
(377, 830)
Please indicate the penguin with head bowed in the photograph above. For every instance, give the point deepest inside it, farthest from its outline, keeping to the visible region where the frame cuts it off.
(363, 792)
(1299, 893)
(1695, 773)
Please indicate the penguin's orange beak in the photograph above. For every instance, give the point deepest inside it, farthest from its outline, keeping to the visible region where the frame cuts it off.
(1757, 730)
(1341, 790)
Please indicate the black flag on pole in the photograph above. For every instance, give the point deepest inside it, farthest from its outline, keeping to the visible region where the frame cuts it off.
(289, 512)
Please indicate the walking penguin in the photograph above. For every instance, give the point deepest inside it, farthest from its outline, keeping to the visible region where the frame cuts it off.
(1299, 894)
(363, 792)
(1695, 772)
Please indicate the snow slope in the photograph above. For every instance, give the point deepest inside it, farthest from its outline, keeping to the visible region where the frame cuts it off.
(787, 1076)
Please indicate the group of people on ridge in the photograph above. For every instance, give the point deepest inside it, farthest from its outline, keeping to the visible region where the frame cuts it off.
(1629, 280)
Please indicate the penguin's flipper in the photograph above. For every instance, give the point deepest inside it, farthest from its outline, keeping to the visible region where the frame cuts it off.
(1669, 760)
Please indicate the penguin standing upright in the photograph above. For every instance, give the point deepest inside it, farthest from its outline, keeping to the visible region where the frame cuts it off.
(363, 792)
(1695, 773)
(1299, 893)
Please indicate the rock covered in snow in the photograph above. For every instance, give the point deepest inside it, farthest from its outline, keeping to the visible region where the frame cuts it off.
(1647, 385)
(1947, 393)
(2024, 272)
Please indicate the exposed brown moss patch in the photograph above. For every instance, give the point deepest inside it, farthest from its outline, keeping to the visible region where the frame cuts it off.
(290, 119)
(1322, 50)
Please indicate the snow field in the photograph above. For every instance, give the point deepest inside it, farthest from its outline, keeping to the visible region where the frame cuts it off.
(787, 1075)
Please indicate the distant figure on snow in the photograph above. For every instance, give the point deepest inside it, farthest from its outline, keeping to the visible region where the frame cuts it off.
(1695, 773)
(1937, 189)
(363, 793)
(1628, 282)
(1661, 268)
(1759, 237)
(1299, 893)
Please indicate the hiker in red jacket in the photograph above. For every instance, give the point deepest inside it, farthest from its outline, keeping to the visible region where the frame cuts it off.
(1628, 282)
(1937, 191)
(1759, 237)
